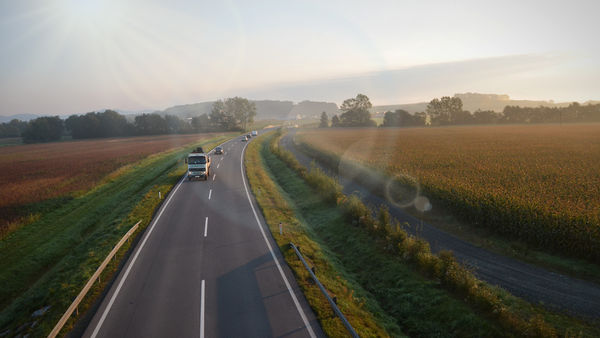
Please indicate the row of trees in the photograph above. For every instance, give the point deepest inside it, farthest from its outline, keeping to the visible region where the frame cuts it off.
(355, 114)
(449, 111)
(232, 114)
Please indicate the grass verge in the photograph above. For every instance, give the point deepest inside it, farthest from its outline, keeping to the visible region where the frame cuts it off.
(47, 262)
(356, 304)
(513, 315)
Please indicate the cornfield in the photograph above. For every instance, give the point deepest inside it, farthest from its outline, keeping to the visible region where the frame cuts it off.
(540, 184)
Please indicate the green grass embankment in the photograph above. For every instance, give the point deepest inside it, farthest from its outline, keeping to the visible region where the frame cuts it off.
(47, 262)
(358, 306)
(427, 294)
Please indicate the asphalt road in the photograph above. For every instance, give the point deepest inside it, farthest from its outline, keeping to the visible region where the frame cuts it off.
(530, 282)
(206, 267)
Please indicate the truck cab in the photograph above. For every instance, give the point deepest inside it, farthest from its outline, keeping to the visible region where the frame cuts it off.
(198, 165)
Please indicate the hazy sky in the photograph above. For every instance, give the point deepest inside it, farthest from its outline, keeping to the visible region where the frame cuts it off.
(75, 56)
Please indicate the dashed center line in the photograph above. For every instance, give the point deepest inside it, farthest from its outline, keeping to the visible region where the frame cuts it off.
(218, 164)
(205, 226)
(209, 193)
(214, 176)
(202, 310)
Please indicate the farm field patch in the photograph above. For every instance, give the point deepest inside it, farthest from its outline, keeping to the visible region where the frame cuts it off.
(38, 172)
(536, 183)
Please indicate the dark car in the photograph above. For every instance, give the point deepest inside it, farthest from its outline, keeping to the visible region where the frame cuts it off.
(219, 151)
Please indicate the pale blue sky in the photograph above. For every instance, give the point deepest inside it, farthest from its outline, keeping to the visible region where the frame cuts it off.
(74, 56)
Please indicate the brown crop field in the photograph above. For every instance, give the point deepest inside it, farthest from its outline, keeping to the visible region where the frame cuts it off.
(33, 173)
(536, 183)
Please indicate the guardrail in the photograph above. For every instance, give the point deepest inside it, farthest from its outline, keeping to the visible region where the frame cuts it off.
(325, 293)
(74, 306)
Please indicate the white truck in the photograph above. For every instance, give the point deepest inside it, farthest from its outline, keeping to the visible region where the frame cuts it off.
(198, 165)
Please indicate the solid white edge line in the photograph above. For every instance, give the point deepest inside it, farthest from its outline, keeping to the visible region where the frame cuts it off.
(205, 226)
(137, 253)
(285, 280)
(202, 310)
(209, 193)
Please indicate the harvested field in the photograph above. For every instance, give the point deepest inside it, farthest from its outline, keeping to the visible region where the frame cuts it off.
(536, 183)
(37, 172)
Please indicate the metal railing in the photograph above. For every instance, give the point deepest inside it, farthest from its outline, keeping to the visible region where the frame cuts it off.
(325, 293)
(74, 306)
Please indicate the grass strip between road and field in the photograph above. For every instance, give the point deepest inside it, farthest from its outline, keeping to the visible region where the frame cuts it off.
(48, 261)
(361, 311)
(513, 314)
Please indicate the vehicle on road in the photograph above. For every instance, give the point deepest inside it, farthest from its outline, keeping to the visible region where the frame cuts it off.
(254, 133)
(244, 138)
(248, 136)
(198, 165)
(219, 151)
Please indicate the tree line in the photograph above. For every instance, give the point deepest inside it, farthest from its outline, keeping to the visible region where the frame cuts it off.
(449, 111)
(232, 114)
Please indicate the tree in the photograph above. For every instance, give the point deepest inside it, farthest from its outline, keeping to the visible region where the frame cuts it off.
(356, 112)
(150, 124)
(402, 118)
(232, 114)
(43, 129)
(175, 125)
(14, 128)
(486, 116)
(445, 110)
(201, 123)
(106, 124)
(242, 110)
(324, 120)
(220, 119)
(335, 121)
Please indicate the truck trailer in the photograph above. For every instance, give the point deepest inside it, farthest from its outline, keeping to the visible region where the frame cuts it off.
(198, 165)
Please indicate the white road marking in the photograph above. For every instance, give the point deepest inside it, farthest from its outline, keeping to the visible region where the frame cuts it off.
(214, 176)
(137, 253)
(205, 226)
(218, 164)
(287, 283)
(202, 310)
(114, 296)
(209, 193)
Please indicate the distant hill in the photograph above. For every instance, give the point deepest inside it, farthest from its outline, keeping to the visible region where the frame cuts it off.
(474, 101)
(313, 109)
(265, 109)
(22, 117)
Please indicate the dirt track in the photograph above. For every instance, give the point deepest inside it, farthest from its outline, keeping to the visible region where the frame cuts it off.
(532, 283)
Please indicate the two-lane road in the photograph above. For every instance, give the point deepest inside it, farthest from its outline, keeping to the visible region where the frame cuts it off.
(206, 267)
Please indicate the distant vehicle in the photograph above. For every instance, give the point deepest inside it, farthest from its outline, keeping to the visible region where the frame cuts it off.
(244, 138)
(254, 133)
(198, 164)
(219, 151)
(248, 136)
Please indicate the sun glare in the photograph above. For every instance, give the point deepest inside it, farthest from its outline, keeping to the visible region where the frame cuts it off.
(85, 10)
